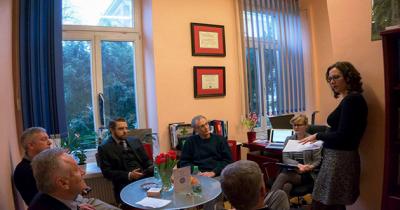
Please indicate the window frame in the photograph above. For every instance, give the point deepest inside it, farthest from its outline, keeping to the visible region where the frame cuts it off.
(96, 34)
(258, 43)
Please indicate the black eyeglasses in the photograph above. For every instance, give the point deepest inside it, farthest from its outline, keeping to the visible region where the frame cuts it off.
(334, 78)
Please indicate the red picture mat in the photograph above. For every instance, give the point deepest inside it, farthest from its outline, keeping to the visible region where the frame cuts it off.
(196, 28)
(199, 72)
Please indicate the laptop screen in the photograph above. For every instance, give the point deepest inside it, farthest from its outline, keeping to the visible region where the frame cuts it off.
(279, 135)
(281, 121)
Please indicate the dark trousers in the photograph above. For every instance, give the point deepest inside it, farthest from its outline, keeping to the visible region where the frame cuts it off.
(320, 206)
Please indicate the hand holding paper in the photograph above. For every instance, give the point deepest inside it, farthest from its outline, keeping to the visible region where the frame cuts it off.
(296, 146)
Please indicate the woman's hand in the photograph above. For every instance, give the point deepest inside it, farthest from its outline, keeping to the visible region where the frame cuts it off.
(309, 139)
(304, 168)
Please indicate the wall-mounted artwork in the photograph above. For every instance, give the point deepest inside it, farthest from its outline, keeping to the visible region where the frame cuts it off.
(207, 40)
(384, 13)
(209, 81)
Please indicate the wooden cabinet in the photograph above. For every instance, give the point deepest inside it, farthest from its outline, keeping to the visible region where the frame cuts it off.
(391, 184)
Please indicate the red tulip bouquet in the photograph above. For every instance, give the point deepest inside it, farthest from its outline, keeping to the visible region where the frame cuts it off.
(165, 162)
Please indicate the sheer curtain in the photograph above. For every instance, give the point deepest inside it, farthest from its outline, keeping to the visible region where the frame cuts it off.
(274, 60)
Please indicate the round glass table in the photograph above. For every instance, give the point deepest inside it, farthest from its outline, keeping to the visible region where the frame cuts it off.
(211, 188)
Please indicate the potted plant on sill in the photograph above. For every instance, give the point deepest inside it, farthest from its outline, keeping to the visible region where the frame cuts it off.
(250, 123)
(74, 147)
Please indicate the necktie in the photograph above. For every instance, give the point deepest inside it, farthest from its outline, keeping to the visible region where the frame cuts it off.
(124, 144)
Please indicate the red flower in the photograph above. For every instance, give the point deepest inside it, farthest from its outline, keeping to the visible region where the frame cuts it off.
(166, 160)
(160, 160)
(172, 154)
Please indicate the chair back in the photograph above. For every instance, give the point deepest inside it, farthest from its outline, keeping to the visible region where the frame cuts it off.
(271, 171)
(143, 134)
(234, 152)
(312, 129)
(149, 150)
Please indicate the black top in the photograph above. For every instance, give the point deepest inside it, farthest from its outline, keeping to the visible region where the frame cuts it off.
(211, 154)
(43, 201)
(24, 180)
(348, 122)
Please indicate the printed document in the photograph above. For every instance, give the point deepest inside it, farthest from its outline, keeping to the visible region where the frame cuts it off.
(295, 146)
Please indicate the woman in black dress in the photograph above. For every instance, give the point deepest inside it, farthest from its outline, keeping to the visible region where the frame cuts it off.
(338, 181)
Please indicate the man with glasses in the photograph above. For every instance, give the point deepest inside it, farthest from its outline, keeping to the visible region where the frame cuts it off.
(208, 151)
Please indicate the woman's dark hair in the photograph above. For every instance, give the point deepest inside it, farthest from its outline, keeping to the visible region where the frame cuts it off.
(350, 74)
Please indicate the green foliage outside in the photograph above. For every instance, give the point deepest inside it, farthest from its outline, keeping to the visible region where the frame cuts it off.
(118, 86)
(384, 13)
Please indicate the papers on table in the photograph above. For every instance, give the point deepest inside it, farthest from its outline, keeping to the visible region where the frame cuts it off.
(295, 146)
(153, 202)
(261, 141)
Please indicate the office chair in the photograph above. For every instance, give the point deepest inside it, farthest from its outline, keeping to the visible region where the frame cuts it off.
(272, 170)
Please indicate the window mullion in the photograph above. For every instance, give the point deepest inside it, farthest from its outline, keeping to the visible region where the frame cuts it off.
(97, 79)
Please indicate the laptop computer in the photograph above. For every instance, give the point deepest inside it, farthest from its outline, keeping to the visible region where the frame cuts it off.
(281, 121)
(277, 138)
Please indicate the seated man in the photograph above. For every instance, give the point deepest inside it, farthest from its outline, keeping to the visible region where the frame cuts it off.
(33, 140)
(123, 159)
(60, 182)
(209, 152)
(243, 185)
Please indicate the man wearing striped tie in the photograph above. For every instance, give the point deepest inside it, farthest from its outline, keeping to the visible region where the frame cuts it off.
(123, 159)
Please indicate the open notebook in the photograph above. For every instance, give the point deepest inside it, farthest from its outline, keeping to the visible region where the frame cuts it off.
(277, 138)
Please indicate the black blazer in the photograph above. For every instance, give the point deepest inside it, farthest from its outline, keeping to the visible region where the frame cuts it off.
(43, 201)
(114, 167)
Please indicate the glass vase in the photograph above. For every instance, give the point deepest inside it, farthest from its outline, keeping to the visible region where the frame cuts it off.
(165, 176)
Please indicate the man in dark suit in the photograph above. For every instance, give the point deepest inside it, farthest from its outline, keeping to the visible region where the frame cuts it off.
(60, 181)
(123, 159)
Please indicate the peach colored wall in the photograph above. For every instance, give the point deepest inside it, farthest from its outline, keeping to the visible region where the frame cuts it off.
(9, 153)
(173, 63)
(342, 31)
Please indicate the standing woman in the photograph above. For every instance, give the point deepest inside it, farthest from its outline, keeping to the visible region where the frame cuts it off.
(338, 181)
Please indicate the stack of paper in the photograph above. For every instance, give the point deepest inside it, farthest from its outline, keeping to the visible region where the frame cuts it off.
(153, 202)
(295, 146)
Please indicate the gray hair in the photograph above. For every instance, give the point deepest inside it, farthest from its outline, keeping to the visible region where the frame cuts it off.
(45, 165)
(197, 118)
(241, 182)
(27, 135)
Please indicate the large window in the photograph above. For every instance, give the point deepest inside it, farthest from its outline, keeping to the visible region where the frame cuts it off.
(274, 60)
(101, 62)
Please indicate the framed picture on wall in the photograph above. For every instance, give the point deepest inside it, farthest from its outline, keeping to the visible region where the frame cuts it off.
(207, 40)
(209, 81)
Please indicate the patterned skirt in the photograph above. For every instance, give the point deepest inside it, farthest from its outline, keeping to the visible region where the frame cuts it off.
(338, 181)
